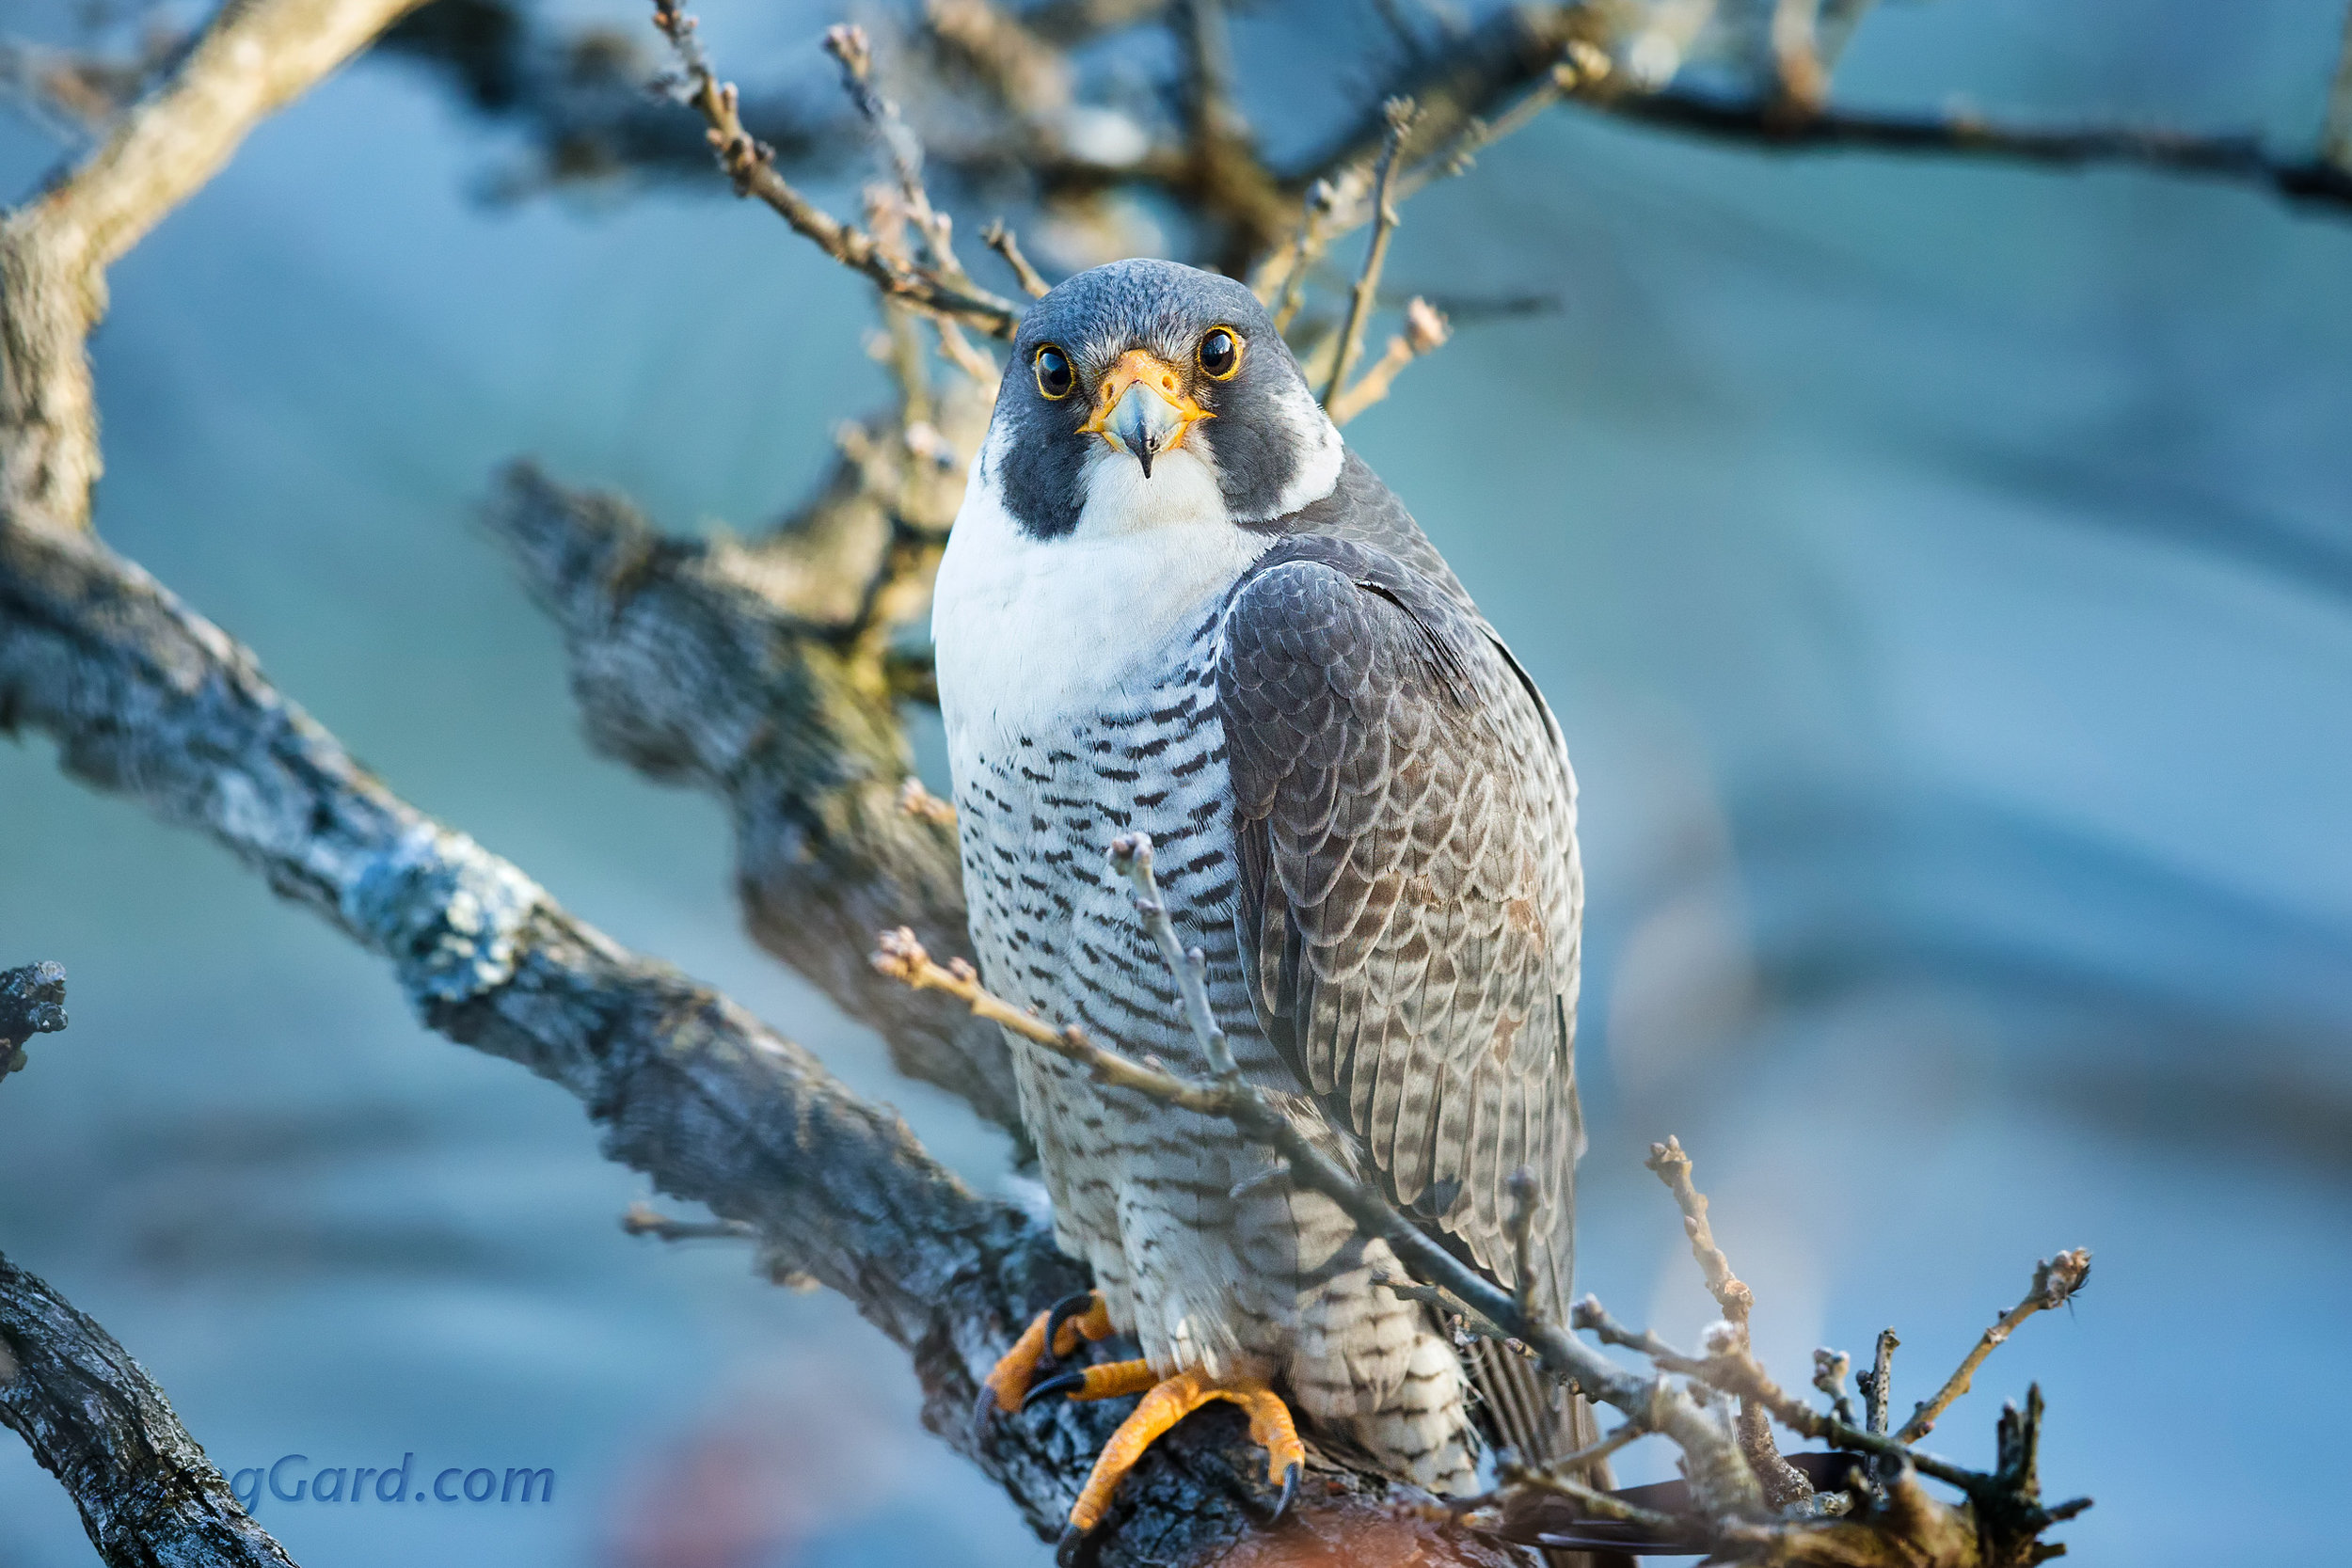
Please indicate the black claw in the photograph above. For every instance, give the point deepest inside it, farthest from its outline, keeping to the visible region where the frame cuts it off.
(983, 1411)
(1072, 1548)
(1058, 1314)
(1060, 1383)
(1290, 1493)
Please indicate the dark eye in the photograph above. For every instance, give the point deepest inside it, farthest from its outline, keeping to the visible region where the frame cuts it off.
(1220, 353)
(1055, 377)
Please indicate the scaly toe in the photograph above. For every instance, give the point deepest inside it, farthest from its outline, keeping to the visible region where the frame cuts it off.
(1060, 1313)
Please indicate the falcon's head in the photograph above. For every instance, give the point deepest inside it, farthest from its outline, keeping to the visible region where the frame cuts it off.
(1145, 391)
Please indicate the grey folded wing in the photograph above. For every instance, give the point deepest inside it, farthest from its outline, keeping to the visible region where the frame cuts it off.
(1411, 897)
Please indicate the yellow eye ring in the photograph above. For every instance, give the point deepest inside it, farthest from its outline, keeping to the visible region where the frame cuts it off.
(1220, 353)
(1056, 380)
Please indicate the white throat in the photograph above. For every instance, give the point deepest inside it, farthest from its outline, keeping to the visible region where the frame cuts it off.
(1028, 631)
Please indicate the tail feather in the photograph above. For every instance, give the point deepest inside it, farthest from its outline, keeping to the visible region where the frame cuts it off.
(1540, 1425)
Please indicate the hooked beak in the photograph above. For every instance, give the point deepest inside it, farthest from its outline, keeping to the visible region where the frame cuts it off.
(1142, 409)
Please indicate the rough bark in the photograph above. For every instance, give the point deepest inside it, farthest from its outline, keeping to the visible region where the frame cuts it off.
(736, 669)
(95, 1420)
(145, 698)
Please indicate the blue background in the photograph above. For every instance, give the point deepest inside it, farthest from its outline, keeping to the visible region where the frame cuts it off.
(1941, 571)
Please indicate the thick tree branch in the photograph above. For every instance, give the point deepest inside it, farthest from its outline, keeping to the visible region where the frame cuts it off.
(729, 666)
(147, 699)
(94, 1420)
(256, 56)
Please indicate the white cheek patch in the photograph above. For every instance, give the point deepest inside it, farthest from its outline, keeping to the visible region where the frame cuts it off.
(1317, 440)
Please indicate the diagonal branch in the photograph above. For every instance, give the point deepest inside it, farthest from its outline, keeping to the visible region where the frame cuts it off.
(1401, 113)
(1493, 63)
(2056, 1281)
(255, 56)
(94, 1420)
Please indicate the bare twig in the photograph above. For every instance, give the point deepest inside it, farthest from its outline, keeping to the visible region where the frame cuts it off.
(848, 45)
(1425, 330)
(1828, 1375)
(1401, 112)
(1784, 1483)
(643, 1219)
(1877, 1384)
(1799, 75)
(1131, 857)
(1673, 1166)
(1518, 45)
(94, 1418)
(921, 804)
(1521, 1185)
(2055, 1282)
(999, 238)
(2335, 137)
(751, 164)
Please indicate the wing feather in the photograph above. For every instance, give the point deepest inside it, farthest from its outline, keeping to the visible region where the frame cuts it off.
(1411, 898)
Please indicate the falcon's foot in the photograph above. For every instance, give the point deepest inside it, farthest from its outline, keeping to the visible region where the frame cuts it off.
(1166, 1404)
(1055, 1332)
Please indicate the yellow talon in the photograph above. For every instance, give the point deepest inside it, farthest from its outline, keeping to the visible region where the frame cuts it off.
(1010, 1381)
(1171, 1402)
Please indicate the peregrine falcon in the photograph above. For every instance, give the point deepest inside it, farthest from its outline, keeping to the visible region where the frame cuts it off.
(1175, 602)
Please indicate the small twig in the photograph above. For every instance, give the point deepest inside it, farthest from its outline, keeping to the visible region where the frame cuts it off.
(1828, 1375)
(2335, 138)
(846, 43)
(642, 1219)
(1425, 330)
(999, 238)
(1521, 1185)
(1400, 113)
(1673, 1166)
(1602, 1505)
(1784, 1483)
(1131, 857)
(751, 164)
(921, 804)
(977, 368)
(1208, 58)
(1877, 1384)
(2055, 1282)
(1447, 1303)
(1801, 78)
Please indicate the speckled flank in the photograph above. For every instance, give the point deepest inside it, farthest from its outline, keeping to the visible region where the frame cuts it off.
(1265, 1279)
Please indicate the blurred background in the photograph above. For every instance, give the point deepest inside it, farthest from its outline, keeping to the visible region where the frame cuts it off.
(1941, 570)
